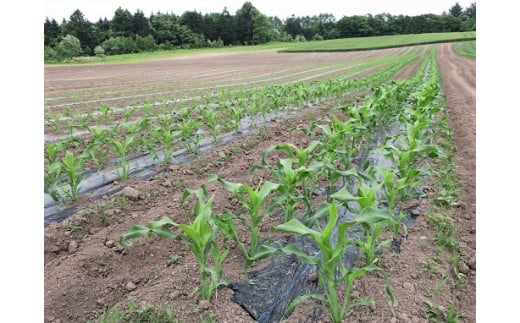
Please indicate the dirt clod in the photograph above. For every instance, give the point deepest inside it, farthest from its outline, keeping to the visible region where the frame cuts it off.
(110, 243)
(130, 286)
(131, 193)
(73, 245)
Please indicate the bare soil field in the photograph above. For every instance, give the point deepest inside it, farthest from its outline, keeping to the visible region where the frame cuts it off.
(86, 272)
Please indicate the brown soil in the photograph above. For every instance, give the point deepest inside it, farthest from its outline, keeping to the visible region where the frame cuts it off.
(86, 271)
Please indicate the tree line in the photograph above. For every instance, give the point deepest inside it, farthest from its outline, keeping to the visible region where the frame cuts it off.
(132, 33)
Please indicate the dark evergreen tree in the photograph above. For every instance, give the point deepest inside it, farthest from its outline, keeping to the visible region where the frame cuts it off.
(211, 27)
(122, 24)
(103, 31)
(292, 26)
(252, 26)
(354, 26)
(82, 29)
(228, 28)
(193, 20)
(163, 28)
(456, 10)
(140, 24)
(51, 32)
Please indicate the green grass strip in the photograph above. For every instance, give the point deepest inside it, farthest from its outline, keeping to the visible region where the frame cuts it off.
(378, 42)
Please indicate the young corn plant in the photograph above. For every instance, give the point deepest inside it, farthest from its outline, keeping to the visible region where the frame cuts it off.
(393, 189)
(407, 157)
(104, 109)
(339, 141)
(189, 134)
(167, 136)
(72, 167)
(127, 113)
(200, 237)
(254, 202)
(297, 176)
(123, 170)
(370, 244)
(52, 176)
(237, 113)
(96, 149)
(336, 279)
(293, 188)
(210, 120)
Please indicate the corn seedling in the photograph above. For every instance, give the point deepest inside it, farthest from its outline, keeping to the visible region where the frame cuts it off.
(127, 113)
(201, 238)
(237, 114)
(104, 109)
(52, 177)
(297, 175)
(210, 120)
(123, 170)
(291, 192)
(167, 136)
(72, 166)
(252, 200)
(189, 134)
(333, 242)
(96, 148)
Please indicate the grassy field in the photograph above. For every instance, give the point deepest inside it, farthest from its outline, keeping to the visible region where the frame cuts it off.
(345, 44)
(377, 42)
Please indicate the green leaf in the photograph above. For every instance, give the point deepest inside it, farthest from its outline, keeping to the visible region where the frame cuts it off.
(333, 217)
(295, 226)
(136, 231)
(370, 215)
(390, 293)
(162, 222)
(344, 195)
(212, 178)
(164, 233)
(229, 186)
(293, 250)
(262, 252)
(267, 188)
(295, 302)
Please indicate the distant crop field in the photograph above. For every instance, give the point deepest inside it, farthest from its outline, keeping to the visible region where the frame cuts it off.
(466, 49)
(377, 42)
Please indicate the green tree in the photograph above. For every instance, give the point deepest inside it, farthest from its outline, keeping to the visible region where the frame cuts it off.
(119, 45)
(292, 26)
(277, 28)
(252, 26)
(145, 44)
(140, 24)
(211, 27)
(193, 20)
(122, 24)
(355, 26)
(451, 23)
(163, 28)
(227, 24)
(51, 32)
(456, 10)
(103, 30)
(470, 17)
(471, 11)
(69, 47)
(82, 29)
